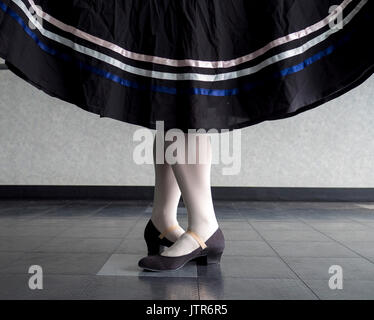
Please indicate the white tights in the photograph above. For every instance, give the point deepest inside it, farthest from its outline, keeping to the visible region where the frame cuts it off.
(166, 200)
(193, 182)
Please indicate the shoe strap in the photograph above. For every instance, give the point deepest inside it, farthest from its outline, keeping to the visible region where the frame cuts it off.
(168, 230)
(197, 238)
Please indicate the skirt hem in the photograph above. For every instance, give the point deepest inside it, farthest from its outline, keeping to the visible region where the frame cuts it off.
(351, 84)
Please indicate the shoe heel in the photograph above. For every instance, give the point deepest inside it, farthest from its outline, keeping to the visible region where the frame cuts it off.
(210, 258)
(153, 248)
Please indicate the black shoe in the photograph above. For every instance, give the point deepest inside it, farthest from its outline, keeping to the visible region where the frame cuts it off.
(208, 253)
(156, 240)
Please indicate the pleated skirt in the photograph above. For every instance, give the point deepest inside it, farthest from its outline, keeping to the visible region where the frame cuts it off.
(193, 64)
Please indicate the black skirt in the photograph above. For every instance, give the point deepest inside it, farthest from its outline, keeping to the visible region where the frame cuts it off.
(193, 64)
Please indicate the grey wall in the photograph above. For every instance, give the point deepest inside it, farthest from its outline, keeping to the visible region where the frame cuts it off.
(44, 141)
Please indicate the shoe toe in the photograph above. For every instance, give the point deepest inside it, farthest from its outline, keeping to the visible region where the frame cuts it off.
(153, 262)
(157, 263)
(144, 262)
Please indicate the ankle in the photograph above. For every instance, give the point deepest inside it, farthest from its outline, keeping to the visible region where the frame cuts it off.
(163, 221)
(204, 229)
(163, 225)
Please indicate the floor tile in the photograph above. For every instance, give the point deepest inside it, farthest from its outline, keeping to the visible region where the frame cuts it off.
(77, 210)
(121, 210)
(6, 204)
(22, 244)
(274, 250)
(367, 205)
(55, 287)
(336, 215)
(252, 205)
(84, 245)
(224, 206)
(254, 289)
(230, 217)
(352, 290)
(323, 216)
(248, 248)
(57, 263)
(127, 265)
(43, 222)
(351, 235)
(241, 234)
(136, 233)
(26, 212)
(7, 258)
(305, 205)
(248, 267)
(318, 268)
(132, 246)
(331, 214)
(180, 210)
(337, 226)
(267, 215)
(32, 231)
(364, 248)
(235, 225)
(109, 222)
(320, 205)
(293, 235)
(141, 288)
(369, 217)
(11, 221)
(95, 232)
(311, 249)
(280, 225)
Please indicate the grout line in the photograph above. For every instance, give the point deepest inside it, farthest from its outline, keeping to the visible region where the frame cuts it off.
(59, 233)
(90, 214)
(198, 284)
(306, 285)
(42, 213)
(342, 244)
(37, 247)
(363, 224)
(126, 234)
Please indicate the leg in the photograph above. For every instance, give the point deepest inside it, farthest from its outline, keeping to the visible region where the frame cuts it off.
(166, 199)
(194, 183)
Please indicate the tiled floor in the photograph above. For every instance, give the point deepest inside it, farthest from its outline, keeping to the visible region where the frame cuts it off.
(274, 250)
